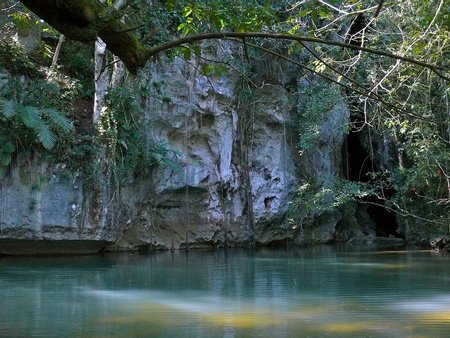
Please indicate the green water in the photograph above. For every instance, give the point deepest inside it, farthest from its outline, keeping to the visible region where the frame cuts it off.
(315, 292)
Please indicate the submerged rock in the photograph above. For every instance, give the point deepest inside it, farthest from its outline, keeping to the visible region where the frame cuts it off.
(441, 243)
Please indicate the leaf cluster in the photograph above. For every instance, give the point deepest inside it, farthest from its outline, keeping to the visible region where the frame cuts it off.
(216, 15)
(134, 153)
(29, 126)
(316, 101)
(313, 199)
(14, 59)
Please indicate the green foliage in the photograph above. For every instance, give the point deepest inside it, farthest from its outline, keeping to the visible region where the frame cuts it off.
(25, 23)
(413, 114)
(33, 108)
(29, 126)
(216, 15)
(155, 23)
(313, 199)
(76, 61)
(419, 135)
(14, 59)
(120, 130)
(318, 99)
(39, 122)
(423, 187)
(160, 153)
(7, 149)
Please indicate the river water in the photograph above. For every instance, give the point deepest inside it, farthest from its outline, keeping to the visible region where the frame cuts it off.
(312, 292)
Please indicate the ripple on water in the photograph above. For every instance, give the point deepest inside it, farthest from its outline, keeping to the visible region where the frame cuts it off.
(273, 294)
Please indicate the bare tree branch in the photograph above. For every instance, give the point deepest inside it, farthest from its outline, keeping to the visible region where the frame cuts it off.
(377, 12)
(241, 35)
(362, 91)
(57, 51)
(332, 7)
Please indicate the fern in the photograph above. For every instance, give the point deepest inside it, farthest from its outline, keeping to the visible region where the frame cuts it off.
(5, 153)
(46, 137)
(8, 108)
(30, 116)
(58, 119)
(33, 118)
(161, 153)
(30, 125)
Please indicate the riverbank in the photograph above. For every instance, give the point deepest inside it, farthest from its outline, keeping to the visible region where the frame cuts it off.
(37, 247)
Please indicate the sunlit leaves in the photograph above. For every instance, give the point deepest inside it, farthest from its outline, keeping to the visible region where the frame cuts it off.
(213, 70)
(237, 15)
(170, 5)
(319, 66)
(314, 199)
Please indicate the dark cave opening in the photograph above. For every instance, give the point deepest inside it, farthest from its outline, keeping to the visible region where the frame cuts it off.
(357, 165)
(354, 33)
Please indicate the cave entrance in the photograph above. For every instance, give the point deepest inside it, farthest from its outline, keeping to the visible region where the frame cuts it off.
(357, 165)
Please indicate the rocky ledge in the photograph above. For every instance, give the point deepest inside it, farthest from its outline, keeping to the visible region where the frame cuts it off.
(18, 247)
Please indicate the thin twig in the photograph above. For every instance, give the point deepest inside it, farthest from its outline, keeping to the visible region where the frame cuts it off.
(105, 67)
(245, 50)
(10, 7)
(377, 12)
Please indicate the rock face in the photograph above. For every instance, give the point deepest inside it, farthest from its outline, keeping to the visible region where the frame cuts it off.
(238, 169)
(322, 162)
(35, 206)
(36, 203)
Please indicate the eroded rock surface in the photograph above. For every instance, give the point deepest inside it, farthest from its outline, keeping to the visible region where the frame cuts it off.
(238, 169)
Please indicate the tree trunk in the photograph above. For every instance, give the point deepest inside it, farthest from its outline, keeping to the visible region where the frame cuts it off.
(86, 20)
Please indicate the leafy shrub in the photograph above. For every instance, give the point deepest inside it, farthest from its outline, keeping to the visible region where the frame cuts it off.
(29, 126)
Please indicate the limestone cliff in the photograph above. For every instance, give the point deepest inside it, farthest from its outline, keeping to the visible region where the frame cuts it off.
(239, 168)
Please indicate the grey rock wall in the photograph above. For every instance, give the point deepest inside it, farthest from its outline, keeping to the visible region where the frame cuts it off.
(239, 169)
(34, 205)
(322, 163)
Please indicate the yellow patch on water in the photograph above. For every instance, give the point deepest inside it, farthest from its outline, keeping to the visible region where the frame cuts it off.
(441, 317)
(376, 265)
(397, 266)
(387, 252)
(384, 265)
(344, 327)
(247, 319)
(242, 319)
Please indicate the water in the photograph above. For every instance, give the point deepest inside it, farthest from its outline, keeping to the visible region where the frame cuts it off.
(315, 292)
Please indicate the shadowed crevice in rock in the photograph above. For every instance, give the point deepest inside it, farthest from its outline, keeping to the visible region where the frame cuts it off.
(359, 163)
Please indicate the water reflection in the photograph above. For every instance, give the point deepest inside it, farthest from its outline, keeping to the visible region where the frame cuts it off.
(266, 293)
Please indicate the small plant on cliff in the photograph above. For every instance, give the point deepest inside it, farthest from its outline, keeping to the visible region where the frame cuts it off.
(314, 199)
(14, 59)
(318, 98)
(29, 127)
(126, 140)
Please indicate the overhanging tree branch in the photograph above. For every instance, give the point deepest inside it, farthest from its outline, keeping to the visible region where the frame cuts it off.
(280, 36)
(380, 5)
(360, 91)
(85, 20)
